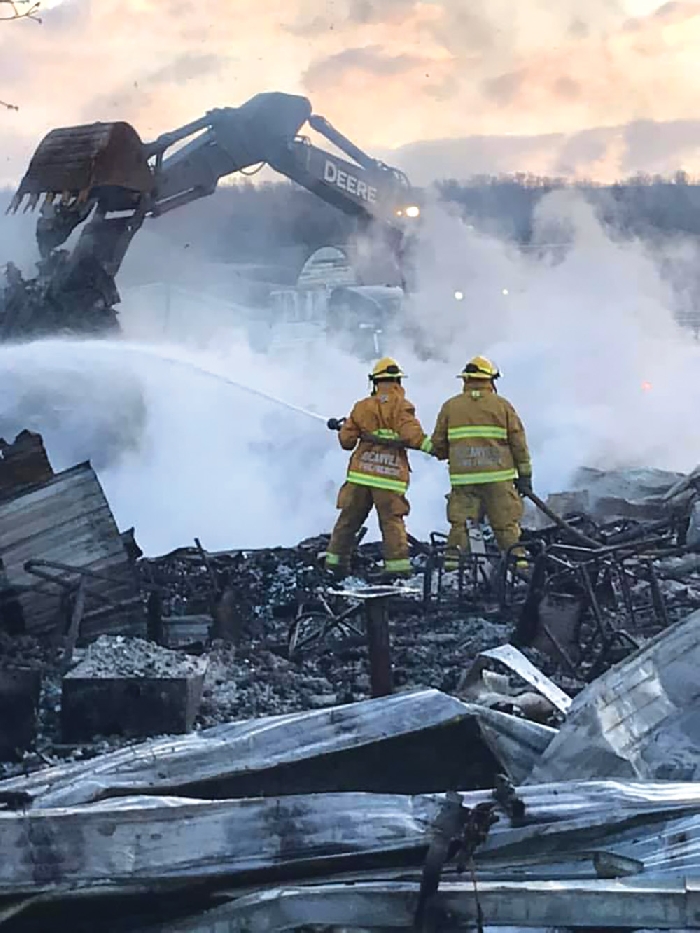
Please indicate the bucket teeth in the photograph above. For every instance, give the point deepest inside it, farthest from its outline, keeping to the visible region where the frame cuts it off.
(72, 163)
(14, 204)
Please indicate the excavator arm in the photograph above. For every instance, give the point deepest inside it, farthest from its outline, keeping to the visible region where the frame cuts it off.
(105, 172)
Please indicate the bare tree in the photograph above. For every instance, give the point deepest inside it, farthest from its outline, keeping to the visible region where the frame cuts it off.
(18, 9)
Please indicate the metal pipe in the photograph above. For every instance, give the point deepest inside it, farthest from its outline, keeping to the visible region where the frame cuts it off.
(558, 520)
(165, 140)
(322, 126)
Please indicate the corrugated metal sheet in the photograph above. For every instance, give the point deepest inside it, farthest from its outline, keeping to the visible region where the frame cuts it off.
(571, 833)
(67, 520)
(410, 741)
(639, 720)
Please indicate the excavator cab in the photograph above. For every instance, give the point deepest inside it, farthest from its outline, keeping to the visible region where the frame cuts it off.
(78, 164)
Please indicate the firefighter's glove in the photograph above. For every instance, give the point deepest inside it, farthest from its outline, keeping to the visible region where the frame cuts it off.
(524, 485)
(335, 424)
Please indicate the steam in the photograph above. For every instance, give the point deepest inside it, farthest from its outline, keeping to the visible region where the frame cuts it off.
(183, 454)
(592, 355)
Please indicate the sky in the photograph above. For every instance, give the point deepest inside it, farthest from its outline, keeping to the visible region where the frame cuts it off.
(389, 73)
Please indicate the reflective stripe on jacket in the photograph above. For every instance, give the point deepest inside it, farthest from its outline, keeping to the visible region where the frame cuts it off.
(388, 415)
(482, 436)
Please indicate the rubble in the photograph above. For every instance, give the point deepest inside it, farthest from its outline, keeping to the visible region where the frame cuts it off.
(620, 854)
(259, 599)
(524, 722)
(543, 905)
(637, 720)
(543, 703)
(23, 463)
(128, 687)
(20, 688)
(419, 741)
(609, 495)
(113, 656)
(53, 536)
(295, 836)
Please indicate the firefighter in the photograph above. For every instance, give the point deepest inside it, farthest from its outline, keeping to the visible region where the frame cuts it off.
(378, 431)
(483, 438)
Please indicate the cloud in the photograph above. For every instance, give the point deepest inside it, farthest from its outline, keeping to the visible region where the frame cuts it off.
(504, 88)
(603, 153)
(312, 18)
(386, 72)
(153, 90)
(187, 67)
(370, 60)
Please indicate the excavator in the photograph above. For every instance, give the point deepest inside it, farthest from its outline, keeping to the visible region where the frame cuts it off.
(104, 177)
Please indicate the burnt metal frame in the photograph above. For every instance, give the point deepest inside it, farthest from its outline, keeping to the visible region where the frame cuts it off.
(474, 586)
(601, 628)
(64, 578)
(326, 621)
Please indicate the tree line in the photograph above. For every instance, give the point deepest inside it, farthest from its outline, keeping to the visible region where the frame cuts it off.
(247, 222)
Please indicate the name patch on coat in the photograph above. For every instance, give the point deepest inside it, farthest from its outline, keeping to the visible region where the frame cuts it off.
(475, 457)
(382, 463)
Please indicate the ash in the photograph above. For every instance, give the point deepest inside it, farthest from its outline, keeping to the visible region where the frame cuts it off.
(114, 656)
(249, 670)
(266, 627)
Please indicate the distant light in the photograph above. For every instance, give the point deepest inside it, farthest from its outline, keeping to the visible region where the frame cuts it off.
(413, 210)
(505, 291)
(646, 386)
(459, 296)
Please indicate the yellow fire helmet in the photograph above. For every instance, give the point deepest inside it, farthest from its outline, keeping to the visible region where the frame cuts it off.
(479, 368)
(386, 368)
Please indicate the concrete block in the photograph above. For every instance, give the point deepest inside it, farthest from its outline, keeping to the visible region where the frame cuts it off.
(131, 688)
(19, 702)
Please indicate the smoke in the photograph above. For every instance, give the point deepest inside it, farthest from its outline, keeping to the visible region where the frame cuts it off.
(588, 344)
(181, 453)
(17, 242)
(590, 353)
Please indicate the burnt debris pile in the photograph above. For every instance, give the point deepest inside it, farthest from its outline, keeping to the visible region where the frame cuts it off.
(206, 741)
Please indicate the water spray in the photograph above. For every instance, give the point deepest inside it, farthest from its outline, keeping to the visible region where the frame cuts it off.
(194, 367)
(248, 389)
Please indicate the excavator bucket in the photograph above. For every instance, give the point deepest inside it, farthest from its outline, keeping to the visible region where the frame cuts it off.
(71, 163)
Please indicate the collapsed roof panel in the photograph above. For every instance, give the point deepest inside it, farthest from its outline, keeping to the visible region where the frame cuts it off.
(605, 495)
(66, 522)
(666, 905)
(571, 835)
(638, 720)
(408, 743)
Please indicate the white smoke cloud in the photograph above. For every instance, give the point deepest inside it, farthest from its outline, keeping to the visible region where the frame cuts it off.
(578, 341)
(17, 242)
(181, 454)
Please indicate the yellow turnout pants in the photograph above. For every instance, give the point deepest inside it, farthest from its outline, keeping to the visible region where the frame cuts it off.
(355, 503)
(499, 502)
